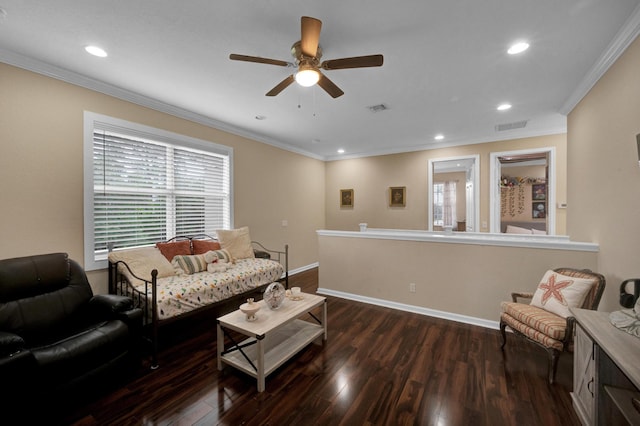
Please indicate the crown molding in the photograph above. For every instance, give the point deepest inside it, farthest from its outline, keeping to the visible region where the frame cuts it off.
(627, 34)
(43, 68)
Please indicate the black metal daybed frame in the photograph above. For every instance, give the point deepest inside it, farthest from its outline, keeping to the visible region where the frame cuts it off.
(118, 284)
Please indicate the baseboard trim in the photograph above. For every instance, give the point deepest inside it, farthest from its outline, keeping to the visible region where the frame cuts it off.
(411, 308)
(303, 268)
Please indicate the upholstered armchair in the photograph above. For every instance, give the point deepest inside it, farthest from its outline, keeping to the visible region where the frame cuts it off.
(547, 321)
(55, 335)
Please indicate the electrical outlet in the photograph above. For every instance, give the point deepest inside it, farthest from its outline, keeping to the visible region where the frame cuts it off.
(412, 287)
(285, 223)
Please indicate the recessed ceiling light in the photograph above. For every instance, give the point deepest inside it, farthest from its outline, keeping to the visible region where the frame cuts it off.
(439, 137)
(518, 48)
(341, 151)
(96, 51)
(504, 107)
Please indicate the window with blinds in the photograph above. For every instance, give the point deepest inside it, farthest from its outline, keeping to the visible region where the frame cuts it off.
(149, 185)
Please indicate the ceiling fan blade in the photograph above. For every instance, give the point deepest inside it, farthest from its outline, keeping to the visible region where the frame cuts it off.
(257, 59)
(355, 62)
(329, 86)
(281, 86)
(310, 36)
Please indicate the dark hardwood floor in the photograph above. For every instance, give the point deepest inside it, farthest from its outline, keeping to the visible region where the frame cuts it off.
(378, 367)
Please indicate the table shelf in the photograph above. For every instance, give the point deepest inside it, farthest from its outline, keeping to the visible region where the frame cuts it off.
(279, 347)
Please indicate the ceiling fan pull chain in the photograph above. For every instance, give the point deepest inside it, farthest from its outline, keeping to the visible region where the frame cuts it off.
(314, 101)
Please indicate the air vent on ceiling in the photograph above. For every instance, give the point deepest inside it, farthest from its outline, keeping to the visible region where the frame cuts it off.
(377, 108)
(511, 126)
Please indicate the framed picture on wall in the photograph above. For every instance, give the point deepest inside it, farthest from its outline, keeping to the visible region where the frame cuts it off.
(539, 210)
(539, 192)
(397, 196)
(346, 198)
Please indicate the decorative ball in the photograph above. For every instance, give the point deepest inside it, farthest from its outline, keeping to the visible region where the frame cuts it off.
(274, 295)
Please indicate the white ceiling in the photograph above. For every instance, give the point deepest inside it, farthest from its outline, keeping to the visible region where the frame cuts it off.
(445, 64)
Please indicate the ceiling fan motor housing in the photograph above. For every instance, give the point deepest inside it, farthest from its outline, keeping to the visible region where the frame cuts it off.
(296, 52)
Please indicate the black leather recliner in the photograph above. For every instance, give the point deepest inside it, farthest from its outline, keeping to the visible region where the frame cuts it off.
(55, 335)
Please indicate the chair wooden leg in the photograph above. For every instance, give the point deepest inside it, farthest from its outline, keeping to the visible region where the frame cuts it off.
(554, 355)
(503, 332)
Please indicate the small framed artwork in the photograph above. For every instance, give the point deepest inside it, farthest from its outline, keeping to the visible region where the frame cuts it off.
(539, 192)
(346, 198)
(397, 196)
(539, 210)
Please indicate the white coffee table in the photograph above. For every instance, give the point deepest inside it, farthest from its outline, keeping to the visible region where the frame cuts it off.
(274, 336)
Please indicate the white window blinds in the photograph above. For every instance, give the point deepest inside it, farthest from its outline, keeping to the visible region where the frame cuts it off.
(147, 189)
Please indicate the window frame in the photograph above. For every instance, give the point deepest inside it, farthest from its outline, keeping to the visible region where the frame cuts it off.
(93, 121)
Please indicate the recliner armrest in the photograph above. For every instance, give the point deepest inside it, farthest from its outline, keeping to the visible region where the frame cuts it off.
(115, 306)
(111, 303)
(10, 343)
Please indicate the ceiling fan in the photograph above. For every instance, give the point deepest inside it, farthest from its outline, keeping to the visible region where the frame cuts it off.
(307, 54)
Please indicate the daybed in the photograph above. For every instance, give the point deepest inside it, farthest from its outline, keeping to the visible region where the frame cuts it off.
(204, 273)
(535, 228)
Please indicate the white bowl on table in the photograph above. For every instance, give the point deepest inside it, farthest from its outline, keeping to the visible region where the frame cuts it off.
(249, 309)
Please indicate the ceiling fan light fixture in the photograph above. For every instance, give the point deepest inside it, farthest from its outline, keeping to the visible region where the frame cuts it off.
(307, 76)
(96, 51)
(518, 48)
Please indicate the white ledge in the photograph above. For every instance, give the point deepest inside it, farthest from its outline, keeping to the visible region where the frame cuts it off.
(552, 242)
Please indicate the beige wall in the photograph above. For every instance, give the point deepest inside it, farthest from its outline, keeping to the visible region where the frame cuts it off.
(604, 177)
(463, 279)
(41, 172)
(372, 176)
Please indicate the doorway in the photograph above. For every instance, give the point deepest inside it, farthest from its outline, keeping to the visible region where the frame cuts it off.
(534, 201)
(467, 168)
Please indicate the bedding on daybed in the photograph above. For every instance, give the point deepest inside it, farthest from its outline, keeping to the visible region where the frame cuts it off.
(179, 294)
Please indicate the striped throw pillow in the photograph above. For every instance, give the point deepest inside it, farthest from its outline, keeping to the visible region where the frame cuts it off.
(190, 264)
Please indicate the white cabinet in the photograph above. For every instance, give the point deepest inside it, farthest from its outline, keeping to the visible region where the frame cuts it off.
(583, 377)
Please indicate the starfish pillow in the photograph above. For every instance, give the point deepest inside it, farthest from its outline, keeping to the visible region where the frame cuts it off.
(557, 293)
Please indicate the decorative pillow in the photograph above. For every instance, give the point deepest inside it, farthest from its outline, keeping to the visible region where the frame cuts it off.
(143, 260)
(190, 264)
(210, 257)
(237, 242)
(517, 230)
(223, 256)
(203, 246)
(557, 293)
(174, 248)
(538, 232)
